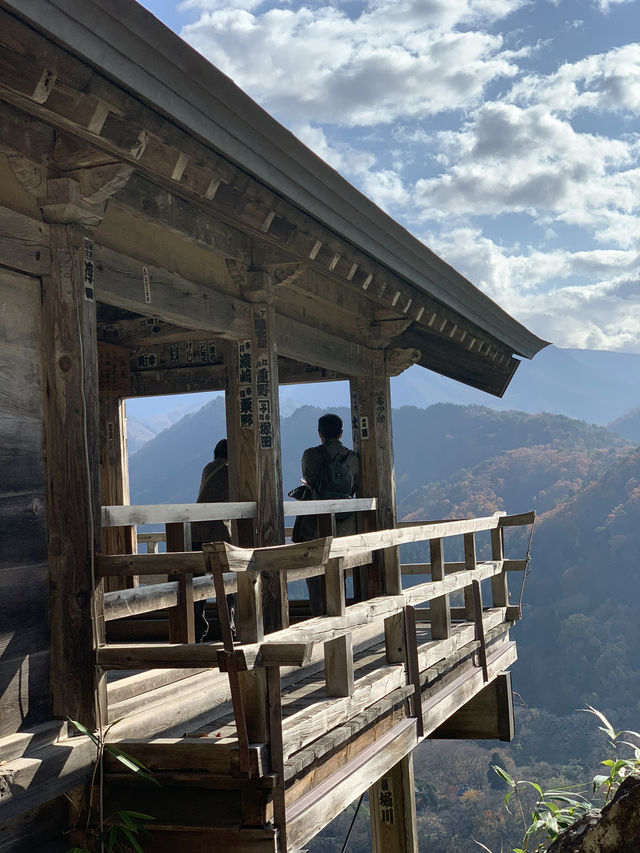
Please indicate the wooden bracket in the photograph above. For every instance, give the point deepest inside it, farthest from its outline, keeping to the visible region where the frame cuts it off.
(396, 361)
(380, 332)
(263, 282)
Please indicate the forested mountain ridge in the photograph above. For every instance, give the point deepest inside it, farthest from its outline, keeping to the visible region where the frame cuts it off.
(578, 640)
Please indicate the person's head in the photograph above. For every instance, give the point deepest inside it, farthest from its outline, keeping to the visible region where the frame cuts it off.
(329, 427)
(220, 450)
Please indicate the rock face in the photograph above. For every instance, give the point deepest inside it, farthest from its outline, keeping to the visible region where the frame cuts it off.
(616, 829)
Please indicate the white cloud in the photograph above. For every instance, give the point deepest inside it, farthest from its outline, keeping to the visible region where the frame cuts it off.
(605, 82)
(397, 58)
(601, 312)
(509, 159)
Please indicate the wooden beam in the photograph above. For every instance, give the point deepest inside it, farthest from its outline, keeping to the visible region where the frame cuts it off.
(392, 803)
(486, 716)
(146, 289)
(116, 516)
(185, 380)
(308, 814)
(277, 558)
(73, 467)
(305, 343)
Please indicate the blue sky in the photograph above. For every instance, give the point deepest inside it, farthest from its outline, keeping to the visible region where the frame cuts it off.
(503, 133)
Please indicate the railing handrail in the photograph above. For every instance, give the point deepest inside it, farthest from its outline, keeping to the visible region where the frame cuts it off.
(121, 516)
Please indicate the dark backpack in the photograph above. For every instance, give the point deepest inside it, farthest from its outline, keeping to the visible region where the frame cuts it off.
(336, 479)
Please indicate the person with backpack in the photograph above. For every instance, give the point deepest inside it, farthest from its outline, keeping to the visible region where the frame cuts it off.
(331, 471)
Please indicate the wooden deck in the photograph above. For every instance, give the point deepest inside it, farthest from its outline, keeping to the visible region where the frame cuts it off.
(259, 744)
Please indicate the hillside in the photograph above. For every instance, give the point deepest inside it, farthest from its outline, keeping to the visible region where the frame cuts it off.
(628, 425)
(577, 643)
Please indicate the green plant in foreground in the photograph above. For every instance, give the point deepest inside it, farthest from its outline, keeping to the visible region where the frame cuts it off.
(556, 811)
(119, 832)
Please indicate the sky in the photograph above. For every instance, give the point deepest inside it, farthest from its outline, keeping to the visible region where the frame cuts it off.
(502, 133)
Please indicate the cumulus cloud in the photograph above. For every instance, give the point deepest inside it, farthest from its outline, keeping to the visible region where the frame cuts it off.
(574, 299)
(606, 82)
(510, 159)
(396, 58)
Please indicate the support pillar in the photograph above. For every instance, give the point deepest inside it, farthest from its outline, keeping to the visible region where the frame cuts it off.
(373, 440)
(114, 483)
(393, 810)
(73, 471)
(253, 431)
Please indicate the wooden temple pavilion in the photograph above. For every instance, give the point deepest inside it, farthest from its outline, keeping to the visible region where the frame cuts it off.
(159, 234)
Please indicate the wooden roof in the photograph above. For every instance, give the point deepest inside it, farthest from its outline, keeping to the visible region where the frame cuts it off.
(206, 162)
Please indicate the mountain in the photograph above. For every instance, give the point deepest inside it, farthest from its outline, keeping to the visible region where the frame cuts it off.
(591, 385)
(628, 425)
(431, 445)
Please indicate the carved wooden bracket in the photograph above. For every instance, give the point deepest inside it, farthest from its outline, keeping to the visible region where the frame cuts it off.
(381, 332)
(81, 196)
(396, 361)
(263, 283)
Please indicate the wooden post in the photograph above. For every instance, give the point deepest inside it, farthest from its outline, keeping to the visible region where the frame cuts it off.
(181, 617)
(253, 431)
(114, 484)
(270, 520)
(393, 810)
(334, 586)
(499, 587)
(439, 608)
(373, 440)
(73, 471)
(469, 564)
(338, 666)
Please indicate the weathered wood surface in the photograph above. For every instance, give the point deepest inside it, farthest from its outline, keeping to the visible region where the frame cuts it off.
(31, 781)
(306, 725)
(329, 506)
(24, 242)
(116, 516)
(441, 704)
(307, 815)
(486, 716)
(392, 802)
(417, 533)
(461, 635)
(122, 281)
(297, 555)
(24, 630)
(114, 481)
(211, 755)
(373, 441)
(72, 441)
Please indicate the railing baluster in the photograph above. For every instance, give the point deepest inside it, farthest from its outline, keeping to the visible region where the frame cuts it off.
(499, 587)
(338, 666)
(439, 607)
(470, 565)
(334, 586)
(413, 666)
(181, 617)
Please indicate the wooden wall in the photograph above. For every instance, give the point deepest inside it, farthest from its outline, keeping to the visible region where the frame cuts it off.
(24, 579)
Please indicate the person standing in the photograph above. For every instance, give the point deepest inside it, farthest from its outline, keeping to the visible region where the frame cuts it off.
(214, 488)
(330, 470)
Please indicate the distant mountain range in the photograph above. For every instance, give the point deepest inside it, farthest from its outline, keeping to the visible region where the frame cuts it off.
(595, 386)
(580, 625)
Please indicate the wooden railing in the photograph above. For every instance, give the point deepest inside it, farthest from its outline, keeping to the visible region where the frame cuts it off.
(422, 632)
